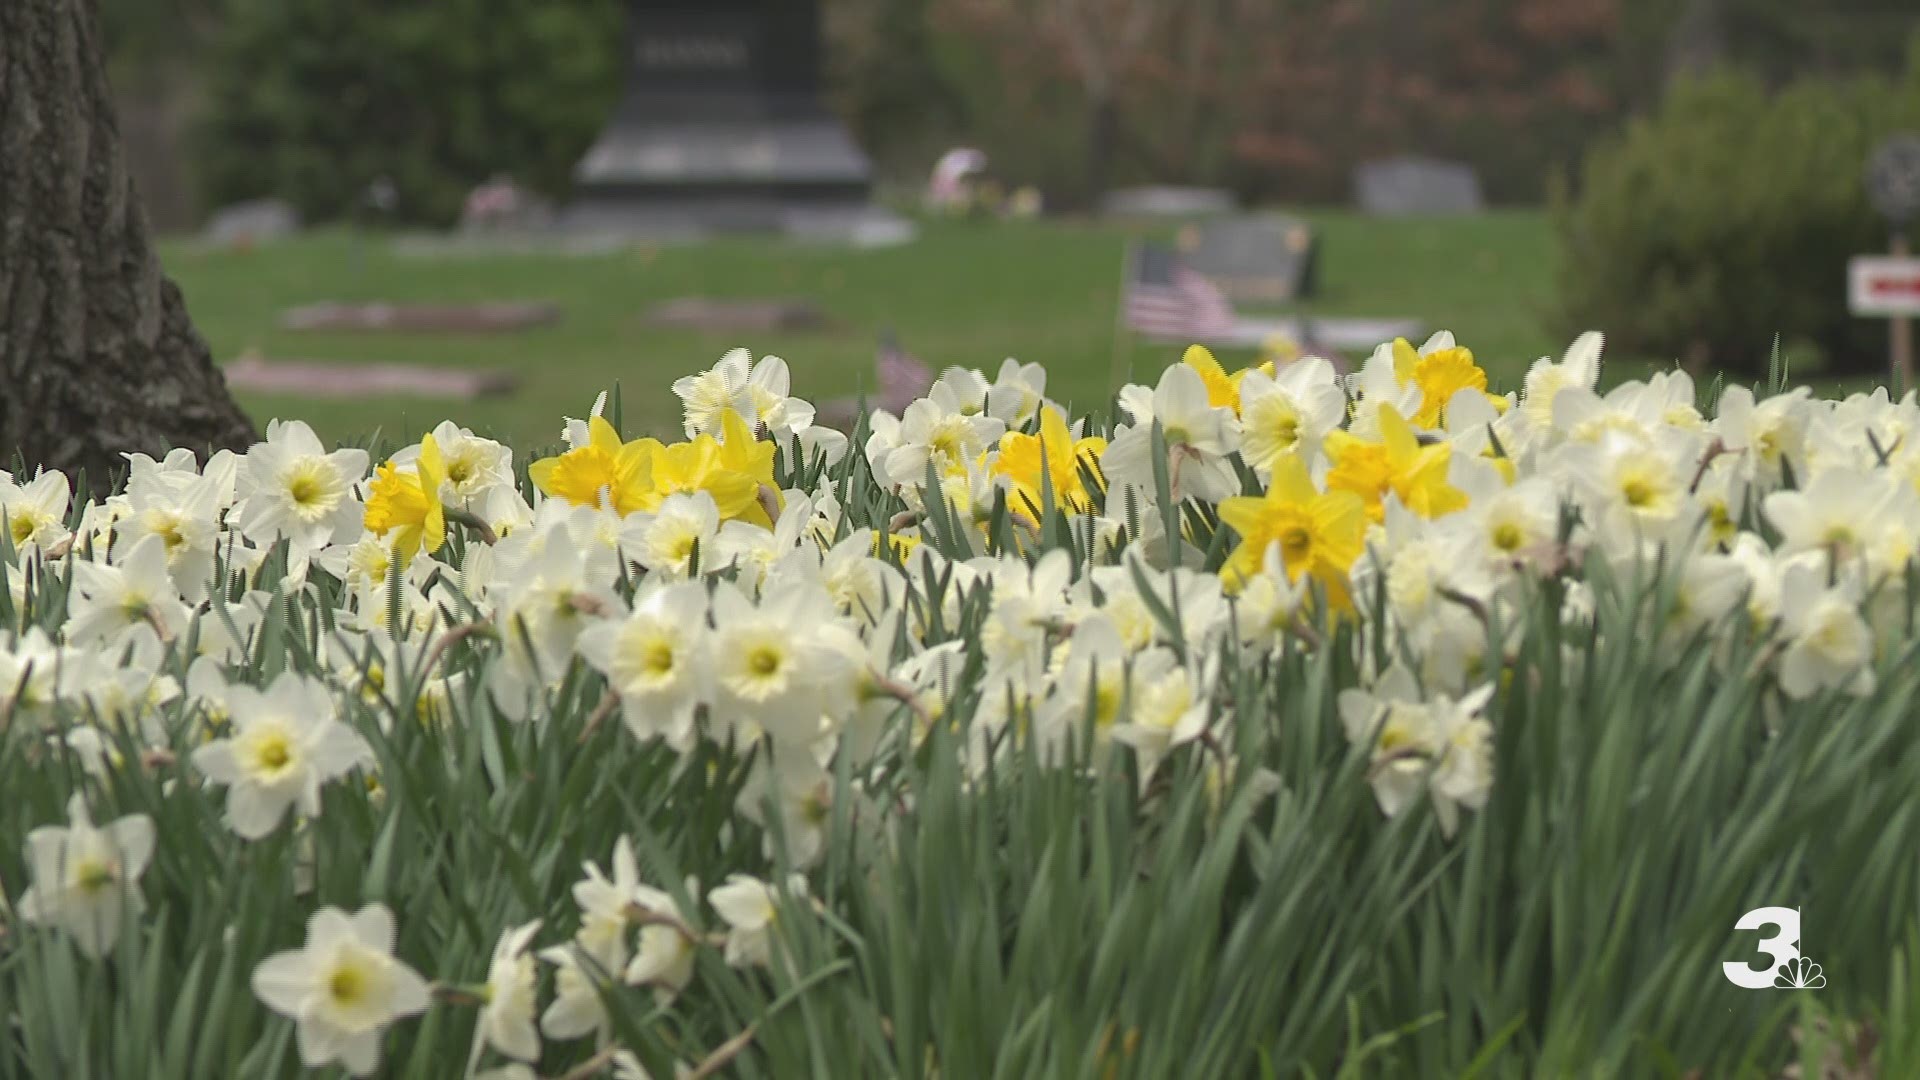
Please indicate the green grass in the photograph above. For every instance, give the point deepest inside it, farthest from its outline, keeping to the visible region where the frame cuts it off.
(963, 294)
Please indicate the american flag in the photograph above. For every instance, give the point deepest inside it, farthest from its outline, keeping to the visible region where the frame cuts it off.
(1168, 299)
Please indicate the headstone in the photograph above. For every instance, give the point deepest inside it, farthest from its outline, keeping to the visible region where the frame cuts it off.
(715, 316)
(1168, 202)
(489, 318)
(258, 221)
(1254, 260)
(721, 126)
(1412, 185)
(320, 379)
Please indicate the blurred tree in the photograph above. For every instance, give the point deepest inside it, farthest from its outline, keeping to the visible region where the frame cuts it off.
(888, 83)
(1728, 216)
(1098, 43)
(312, 100)
(97, 355)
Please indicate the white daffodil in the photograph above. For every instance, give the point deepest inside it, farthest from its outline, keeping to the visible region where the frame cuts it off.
(1578, 368)
(36, 511)
(936, 429)
(664, 958)
(756, 390)
(138, 590)
(1169, 708)
(1289, 412)
(285, 744)
(1463, 775)
(290, 487)
(797, 783)
(509, 1000)
(604, 904)
(667, 540)
(858, 583)
(767, 675)
(751, 908)
(1401, 733)
(86, 879)
(475, 467)
(343, 989)
(181, 509)
(1838, 510)
(1767, 437)
(579, 979)
(1269, 605)
(657, 660)
(35, 674)
(1198, 436)
(1439, 746)
(1829, 645)
(1093, 682)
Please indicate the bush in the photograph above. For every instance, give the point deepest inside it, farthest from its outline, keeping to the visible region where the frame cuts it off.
(1728, 216)
(311, 100)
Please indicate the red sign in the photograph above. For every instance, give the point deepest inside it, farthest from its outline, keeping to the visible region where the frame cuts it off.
(1883, 285)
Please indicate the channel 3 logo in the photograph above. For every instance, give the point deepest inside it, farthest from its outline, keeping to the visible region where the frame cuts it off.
(1779, 965)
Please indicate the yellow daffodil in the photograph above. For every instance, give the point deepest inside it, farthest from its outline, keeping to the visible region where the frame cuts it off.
(1023, 456)
(733, 471)
(604, 469)
(1439, 374)
(1319, 533)
(407, 503)
(1223, 389)
(1397, 463)
(639, 475)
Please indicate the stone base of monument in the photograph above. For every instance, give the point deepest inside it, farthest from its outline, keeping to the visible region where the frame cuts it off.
(722, 128)
(326, 379)
(657, 220)
(493, 318)
(706, 315)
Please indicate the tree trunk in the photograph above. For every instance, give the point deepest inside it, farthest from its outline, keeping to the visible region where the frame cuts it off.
(97, 355)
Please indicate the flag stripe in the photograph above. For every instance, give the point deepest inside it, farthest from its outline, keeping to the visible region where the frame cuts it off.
(1166, 298)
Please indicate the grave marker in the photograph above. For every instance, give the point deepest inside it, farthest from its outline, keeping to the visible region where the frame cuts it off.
(1412, 185)
(1254, 260)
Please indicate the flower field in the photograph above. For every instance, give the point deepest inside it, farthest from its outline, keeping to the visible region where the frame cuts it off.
(1283, 724)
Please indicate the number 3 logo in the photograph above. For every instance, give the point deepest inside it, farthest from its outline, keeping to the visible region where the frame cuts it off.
(1783, 947)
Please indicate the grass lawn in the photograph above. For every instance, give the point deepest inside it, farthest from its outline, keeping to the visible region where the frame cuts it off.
(963, 294)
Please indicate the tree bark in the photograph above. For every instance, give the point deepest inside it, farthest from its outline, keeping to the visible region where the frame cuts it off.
(97, 355)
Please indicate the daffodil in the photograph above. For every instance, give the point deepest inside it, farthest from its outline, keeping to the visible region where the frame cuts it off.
(35, 511)
(290, 487)
(656, 660)
(1398, 463)
(603, 472)
(1055, 453)
(1288, 413)
(343, 988)
(1318, 533)
(732, 469)
(86, 878)
(1223, 389)
(285, 743)
(1828, 645)
(509, 998)
(751, 909)
(406, 503)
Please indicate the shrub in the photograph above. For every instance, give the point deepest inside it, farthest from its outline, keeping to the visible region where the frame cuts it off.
(1728, 216)
(311, 100)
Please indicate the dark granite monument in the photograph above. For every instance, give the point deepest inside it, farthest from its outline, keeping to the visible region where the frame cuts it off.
(722, 127)
(1269, 259)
